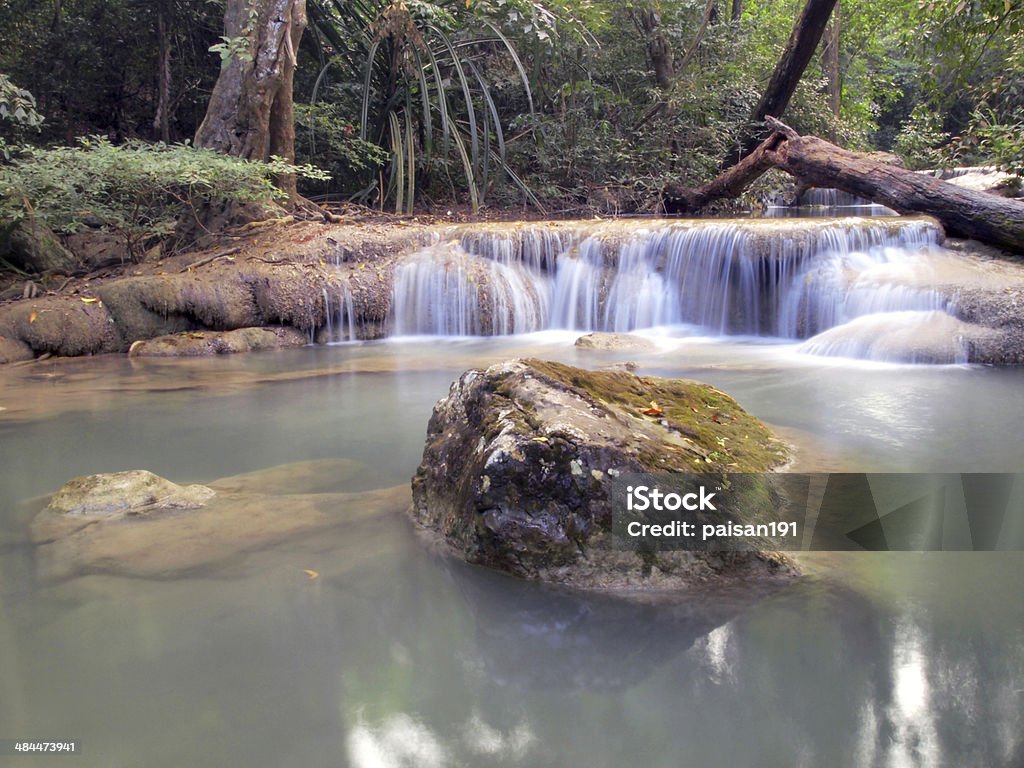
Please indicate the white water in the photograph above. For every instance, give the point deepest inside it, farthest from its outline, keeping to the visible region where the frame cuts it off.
(340, 311)
(825, 202)
(789, 280)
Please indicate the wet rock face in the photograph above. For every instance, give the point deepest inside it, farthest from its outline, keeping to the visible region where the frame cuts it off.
(520, 458)
(208, 343)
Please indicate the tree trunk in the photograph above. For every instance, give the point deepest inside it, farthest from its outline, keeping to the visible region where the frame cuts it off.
(162, 119)
(250, 110)
(815, 162)
(737, 10)
(794, 60)
(706, 19)
(658, 48)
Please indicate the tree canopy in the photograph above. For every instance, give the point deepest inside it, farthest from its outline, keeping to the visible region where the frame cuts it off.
(529, 102)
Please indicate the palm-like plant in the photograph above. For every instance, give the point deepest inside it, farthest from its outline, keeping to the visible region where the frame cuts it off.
(425, 88)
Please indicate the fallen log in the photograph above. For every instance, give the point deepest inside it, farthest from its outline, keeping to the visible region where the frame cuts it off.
(815, 162)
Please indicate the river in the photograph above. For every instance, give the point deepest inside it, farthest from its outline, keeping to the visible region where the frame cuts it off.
(392, 655)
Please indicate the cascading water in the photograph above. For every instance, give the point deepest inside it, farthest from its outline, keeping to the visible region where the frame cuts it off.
(340, 314)
(788, 280)
(824, 202)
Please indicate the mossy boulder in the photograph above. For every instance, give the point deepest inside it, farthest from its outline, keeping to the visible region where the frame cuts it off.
(14, 350)
(157, 305)
(520, 459)
(33, 247)
(59, 325)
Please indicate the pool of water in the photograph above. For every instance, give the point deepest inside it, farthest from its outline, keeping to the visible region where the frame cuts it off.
(396, 656)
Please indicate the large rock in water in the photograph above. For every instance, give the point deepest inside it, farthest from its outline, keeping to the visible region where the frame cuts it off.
(519, 461)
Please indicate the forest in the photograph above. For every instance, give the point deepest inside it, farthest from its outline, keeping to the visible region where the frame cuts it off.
(560, 107)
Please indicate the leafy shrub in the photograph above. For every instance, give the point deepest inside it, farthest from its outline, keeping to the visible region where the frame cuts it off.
(323, 132)
(1000, 142)
(426, 91)
(17, 114)
(137, 190)
(18, 105)
(920, 141)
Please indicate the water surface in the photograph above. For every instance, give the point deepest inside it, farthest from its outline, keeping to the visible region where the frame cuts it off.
(395, 656)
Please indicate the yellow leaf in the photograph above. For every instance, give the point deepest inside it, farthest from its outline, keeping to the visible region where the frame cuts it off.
(311, 573)
(89, 301)
(654, 410)
(32, 317)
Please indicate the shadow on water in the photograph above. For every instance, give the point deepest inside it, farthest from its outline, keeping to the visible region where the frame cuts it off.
(541, 637)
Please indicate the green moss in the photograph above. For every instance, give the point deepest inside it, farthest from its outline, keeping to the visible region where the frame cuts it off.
(707, 429)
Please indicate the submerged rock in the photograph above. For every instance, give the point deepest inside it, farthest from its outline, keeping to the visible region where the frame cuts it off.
(125, 493)
(142, 525)
(519, 461)
(615, 342)
(85, 500)
(207, 343)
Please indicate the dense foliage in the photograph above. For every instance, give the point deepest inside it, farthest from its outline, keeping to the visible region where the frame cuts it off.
(527, 102)
(137, 190)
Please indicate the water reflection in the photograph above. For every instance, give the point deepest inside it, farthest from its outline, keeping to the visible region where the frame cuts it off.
(394, 657)
(817, 675)
(542, 638)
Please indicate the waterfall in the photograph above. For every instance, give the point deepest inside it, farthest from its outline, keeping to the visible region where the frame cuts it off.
(850, 279)
(778, 278)
(340, 314)
(907, 336)
(824, 202)
(830, 198)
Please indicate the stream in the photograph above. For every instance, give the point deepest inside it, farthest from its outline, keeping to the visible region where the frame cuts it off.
(394, 655)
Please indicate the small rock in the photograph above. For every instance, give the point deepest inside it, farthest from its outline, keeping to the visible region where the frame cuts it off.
(138, 524)
(207, 343)
(615, 342)
(125, 493)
